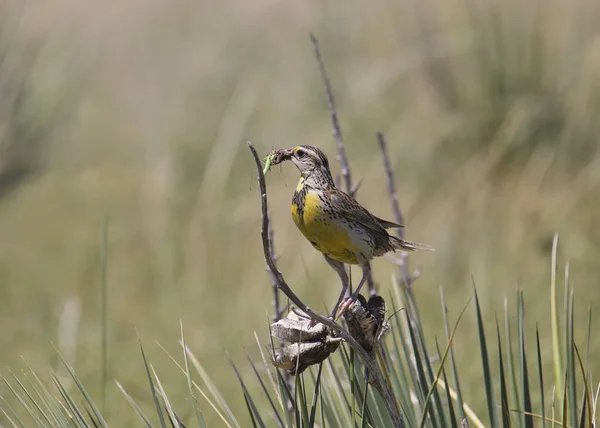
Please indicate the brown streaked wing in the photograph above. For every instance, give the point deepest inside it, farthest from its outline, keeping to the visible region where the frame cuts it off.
(388, 224)
(348, 208)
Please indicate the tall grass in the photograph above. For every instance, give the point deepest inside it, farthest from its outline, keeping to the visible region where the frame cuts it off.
(335, 393)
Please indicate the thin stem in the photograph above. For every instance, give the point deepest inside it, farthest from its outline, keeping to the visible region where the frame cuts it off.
(337, 131)
(350, 188)
(407, 278)
(103, 282)
(277, 310)
(389, 172)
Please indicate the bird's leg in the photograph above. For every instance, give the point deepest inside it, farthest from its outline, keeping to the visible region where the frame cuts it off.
(366, 267)
(371, 283)
(341, 271)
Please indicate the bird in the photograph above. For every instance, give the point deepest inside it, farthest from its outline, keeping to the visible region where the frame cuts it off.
(335, 223)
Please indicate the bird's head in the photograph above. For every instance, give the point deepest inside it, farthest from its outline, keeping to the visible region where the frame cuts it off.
(308, 159)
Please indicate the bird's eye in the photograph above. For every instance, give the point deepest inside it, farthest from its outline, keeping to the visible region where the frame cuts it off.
(300, 153)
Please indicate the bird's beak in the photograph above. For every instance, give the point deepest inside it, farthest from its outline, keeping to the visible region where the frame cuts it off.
(282, 155)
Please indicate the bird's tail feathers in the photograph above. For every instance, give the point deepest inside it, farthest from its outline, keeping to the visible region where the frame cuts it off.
(401, 244)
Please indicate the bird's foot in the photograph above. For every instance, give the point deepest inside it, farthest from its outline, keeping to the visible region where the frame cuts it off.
(346, 304)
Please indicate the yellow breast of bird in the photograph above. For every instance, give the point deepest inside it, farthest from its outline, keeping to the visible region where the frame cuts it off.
(325, 233)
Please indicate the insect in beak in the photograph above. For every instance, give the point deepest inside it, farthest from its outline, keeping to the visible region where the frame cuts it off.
(282, 155)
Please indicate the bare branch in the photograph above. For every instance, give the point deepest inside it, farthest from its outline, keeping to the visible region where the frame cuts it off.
(379, 382)
(403, 260)
(276, 305)
(337, 131)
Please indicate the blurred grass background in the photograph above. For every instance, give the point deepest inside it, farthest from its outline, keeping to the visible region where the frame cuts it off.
(139, 111)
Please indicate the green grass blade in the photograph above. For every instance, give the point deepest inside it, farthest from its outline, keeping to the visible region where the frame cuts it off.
(210, 401)
(50, 399)
(274, 386)
(297, 400)
(353, 389)
(433, 390)
(401, 326)
(78, 417)
(24, 403)
(565, 404)
(541, 375)
(451, 413)
(284, 395)
(586, 393)
(104, 308)
(335, 383)
(379, 405)
(188, 375)
(363, 419)
(400, 381)
(527, 420)
(35, 403)
(404, 351)
(250, 412)
(503, 393)
(95, 423)
(423, 385)
(313, 407)
(304, 401)
(487, 376)
(253, 410)
(214, 391)
(12, 411)
(362, 387)
(287, 397)
(9, 419)
(459, 399)
(328, 406)
(553, 406)
(266, 391)
(570, 347)
(134, 405)
(322, 413)
(413, 322)
(88, 398)
(152, 388)
(548, 419)
(172, 417)
(339, 389)
(556, 348)
(439, 371)
(582, 418)
(588, 336)
(594, 407)
(512, 371)
(356, 383)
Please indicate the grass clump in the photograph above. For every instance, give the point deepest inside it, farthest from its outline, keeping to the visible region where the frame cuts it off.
(520, 390)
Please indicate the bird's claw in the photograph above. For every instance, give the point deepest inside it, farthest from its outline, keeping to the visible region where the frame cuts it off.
(345, 305)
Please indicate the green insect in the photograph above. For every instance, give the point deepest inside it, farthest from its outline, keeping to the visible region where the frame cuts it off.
(268, 160)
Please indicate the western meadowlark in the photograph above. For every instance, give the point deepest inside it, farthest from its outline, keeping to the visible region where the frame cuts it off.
(334, 223)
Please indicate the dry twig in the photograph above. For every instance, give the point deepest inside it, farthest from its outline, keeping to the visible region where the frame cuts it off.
(337, 131)
(407, 278)
(389, 172)
(277, 310)
(339, 141)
